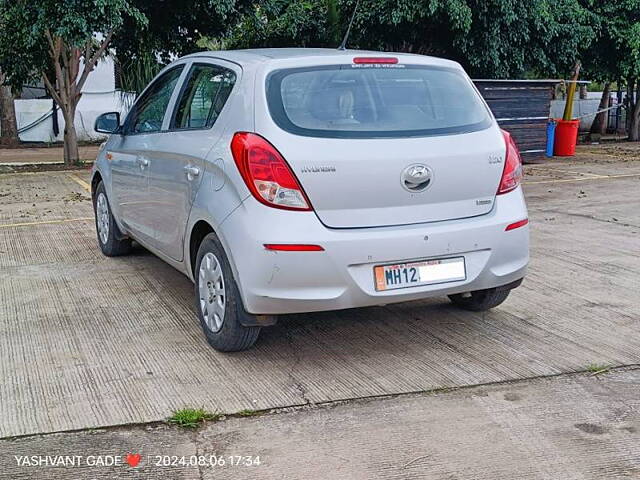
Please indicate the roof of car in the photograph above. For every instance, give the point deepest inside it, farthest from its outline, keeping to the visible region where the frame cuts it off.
(259, 55)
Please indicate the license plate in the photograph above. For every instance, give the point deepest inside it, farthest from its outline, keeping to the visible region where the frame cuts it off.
(426, 272)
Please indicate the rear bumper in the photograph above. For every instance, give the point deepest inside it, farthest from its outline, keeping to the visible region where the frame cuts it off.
(341, 276)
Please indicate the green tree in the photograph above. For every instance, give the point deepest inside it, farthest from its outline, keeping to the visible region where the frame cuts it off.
(175, 28)
(294, 23)
(60, 42)
(614, 56)
(511, 39)
(491, 38)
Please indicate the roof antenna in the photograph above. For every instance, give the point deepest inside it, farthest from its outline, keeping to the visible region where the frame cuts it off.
(343, 45)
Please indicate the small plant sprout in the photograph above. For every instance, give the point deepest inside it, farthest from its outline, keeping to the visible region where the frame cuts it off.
(598, 368)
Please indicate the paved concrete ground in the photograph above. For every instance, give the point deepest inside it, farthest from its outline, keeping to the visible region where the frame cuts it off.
(568, 427)
(87, 341)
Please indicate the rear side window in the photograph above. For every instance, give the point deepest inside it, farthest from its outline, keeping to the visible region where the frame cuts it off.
(206, 91)
(375, 101)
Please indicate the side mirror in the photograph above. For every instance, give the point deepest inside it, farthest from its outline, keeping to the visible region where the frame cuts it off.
(107, 123)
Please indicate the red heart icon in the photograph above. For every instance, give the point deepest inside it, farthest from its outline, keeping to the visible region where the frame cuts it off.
(132, 459)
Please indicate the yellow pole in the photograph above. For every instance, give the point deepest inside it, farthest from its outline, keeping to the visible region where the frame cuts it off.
(571, 91)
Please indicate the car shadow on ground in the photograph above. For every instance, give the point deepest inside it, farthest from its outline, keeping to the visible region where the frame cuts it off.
(368, 329)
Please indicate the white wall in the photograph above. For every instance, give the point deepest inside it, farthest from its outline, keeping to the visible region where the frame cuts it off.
(586, 107)
(98, 96)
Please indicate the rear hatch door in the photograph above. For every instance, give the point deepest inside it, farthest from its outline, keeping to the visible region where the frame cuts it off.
(385, 144)
(371, 183)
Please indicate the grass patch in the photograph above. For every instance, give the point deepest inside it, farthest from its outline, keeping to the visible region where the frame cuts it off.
(191, 417)
(598, 368)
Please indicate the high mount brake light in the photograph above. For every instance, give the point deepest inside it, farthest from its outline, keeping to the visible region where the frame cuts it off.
(374, 60)
(266, 173)
(512, 173)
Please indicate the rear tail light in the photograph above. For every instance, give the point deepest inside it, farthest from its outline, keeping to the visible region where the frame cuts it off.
(512, 173)
(267, 175)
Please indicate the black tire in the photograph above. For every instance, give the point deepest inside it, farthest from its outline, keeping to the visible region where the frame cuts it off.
(114, 244)
(231, 336)
(480, 300)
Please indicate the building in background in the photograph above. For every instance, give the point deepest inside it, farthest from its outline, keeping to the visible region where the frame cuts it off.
(34, 108)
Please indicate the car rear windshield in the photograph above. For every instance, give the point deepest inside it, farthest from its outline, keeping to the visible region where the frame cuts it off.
(369, 101)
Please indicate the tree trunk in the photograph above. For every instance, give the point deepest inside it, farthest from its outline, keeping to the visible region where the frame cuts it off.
(634, 124)
(599, 125)
(8, 124)
(630, 103)
(71, 154)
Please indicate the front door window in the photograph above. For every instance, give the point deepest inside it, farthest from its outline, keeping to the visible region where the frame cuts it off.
(148, 112)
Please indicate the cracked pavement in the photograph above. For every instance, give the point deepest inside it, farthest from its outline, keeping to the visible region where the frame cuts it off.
(573, 426)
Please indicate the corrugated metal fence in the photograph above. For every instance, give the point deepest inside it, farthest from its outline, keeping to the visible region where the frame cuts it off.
(522, 107)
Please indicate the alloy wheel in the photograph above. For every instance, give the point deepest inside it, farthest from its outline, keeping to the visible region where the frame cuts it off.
(212, 291)
(102, 216)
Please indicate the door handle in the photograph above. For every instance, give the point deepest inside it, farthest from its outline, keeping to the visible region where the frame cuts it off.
(144, 162)
(192, 171)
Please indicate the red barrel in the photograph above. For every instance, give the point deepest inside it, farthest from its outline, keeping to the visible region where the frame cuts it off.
(566, 138)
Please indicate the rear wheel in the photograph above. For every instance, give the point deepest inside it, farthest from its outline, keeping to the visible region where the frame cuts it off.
(218, 301)
(480, 300)
(110, 238)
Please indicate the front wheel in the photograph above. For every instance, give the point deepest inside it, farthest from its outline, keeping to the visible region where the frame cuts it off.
(218, 301)
(480, 300)
(110, 239)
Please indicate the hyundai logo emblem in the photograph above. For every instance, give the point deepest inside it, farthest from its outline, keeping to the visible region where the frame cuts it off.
(416, 178)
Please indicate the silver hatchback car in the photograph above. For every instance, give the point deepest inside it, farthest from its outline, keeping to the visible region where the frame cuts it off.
(299, 180)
